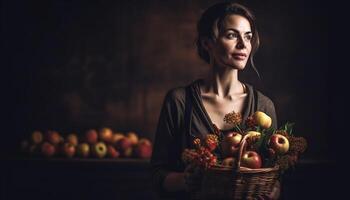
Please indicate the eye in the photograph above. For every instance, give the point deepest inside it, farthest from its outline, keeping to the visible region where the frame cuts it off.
(248, 37)
(232, 35)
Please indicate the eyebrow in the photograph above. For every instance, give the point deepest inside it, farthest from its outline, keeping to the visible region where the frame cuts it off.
(235, 30)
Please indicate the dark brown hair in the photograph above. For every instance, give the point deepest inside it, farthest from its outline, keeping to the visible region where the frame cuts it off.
(216, 14)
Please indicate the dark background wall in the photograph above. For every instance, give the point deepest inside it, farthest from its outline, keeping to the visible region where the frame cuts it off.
(75, 65)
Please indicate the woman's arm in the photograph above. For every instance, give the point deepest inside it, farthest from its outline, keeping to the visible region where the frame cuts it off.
(166, 175)
(189, 180)
(174, 181)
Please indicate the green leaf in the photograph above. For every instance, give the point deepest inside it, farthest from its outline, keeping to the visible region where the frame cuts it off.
(288, 127)
(258, 129)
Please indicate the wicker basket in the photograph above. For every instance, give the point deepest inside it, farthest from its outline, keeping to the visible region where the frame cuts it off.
(222, 182)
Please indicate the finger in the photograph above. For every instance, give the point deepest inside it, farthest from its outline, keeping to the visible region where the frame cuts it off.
(275, 193)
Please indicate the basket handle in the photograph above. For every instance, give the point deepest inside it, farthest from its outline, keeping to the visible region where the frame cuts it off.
(242, 148)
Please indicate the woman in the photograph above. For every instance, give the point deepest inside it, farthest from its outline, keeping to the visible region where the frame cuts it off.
(227, 39)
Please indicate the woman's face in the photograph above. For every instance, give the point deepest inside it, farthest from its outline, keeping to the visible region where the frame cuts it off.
(232, 46)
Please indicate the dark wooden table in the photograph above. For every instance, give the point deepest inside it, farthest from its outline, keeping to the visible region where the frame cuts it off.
(61, 178)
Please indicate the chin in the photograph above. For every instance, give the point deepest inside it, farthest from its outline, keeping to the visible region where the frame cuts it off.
(239, 65)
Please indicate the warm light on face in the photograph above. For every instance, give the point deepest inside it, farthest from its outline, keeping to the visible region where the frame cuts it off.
(232, 46)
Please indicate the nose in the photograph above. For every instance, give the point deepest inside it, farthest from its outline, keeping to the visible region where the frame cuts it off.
(240, 43)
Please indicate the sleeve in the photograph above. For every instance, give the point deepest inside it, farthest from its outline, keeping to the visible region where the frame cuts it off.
(163, 159)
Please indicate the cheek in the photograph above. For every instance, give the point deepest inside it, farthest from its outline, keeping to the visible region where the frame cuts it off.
(226, 48)
(249, 47)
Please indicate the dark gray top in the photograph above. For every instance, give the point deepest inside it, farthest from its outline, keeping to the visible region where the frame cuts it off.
(173, 134)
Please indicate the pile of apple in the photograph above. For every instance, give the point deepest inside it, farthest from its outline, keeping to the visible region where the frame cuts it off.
(92, 144)
(274, 146)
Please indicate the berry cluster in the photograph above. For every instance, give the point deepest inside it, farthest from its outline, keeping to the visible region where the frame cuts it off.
(202, 155)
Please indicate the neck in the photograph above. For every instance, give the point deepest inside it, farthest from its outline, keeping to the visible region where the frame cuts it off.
(223, 82)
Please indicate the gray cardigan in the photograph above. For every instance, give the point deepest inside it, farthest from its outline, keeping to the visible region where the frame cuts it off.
(182, 118)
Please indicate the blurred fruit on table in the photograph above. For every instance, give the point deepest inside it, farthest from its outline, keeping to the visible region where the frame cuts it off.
(101, 144)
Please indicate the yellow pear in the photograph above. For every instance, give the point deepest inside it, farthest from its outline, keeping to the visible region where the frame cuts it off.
(262, 119)
(251, 134)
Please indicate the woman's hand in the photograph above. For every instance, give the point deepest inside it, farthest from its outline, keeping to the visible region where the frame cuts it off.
(275, 193)
(193, 178)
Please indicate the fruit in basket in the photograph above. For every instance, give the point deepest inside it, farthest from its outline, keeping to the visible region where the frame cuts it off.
(251, 159)
(211, 142)
(48, 149)
(143, 150)
(37, 137)
(279, 143)
(252, 134)
(262, 119)
(53, 137)
(83, 150)
(91, 136)
(72, 139)
(229, 161)
(112, 152)
(68, 150)
(132, 137)
(99, 149)
(106, 134)
(230, 143)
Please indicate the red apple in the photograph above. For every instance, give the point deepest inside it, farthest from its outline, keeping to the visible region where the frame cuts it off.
(53, 137)
(132, 137)
(106, 135)
(123, 144)
(48, 149)
(68, 150)
(112, 152)
(230, 143)
(279, 143)
(37, 137)
(145, 141)
(116, 137)
(83, 150)
(91, 136)
(72, 139)
(262, 119)
(251, 159)
(143, 150)
(99, 149)
(229, 161)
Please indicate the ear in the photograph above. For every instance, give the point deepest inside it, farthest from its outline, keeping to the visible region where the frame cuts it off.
(207, 44)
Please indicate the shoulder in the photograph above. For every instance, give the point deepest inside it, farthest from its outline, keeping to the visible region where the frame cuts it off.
(176, 94)
(175, 97)
(263, 101)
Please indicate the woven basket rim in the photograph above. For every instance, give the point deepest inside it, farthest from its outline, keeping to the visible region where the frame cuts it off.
(244, 169)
